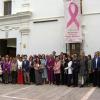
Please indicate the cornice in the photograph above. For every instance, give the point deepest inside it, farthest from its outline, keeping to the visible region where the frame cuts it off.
(16, 16)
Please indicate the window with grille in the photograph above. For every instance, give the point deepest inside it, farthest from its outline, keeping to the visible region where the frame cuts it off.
(7, 7)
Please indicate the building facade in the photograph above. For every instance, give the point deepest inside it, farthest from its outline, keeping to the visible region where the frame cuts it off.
(37, 26)
(90, 25)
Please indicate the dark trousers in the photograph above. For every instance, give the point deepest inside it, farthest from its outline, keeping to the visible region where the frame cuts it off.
(57, 79)
(65, 79)
(62, 78)
(98, 78)
(32, 75)
(90, 78)
(6, 77)
(26, 77)
(75, 78)
(69, 79)
(14, 76)
(95, 77)
(54, 80)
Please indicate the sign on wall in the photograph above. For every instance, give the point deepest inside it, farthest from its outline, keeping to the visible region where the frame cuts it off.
(73, 32)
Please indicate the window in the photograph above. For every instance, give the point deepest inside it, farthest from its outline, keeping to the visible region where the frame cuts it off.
(81, 6)
(7, 7)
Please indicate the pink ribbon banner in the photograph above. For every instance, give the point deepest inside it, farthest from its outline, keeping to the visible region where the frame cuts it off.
(72, 21)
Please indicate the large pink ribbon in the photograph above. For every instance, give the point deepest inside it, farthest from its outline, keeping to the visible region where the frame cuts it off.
(73, 15)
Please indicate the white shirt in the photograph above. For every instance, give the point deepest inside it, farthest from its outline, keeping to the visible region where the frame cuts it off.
(69, 67)
(96, 62)
(19, 64)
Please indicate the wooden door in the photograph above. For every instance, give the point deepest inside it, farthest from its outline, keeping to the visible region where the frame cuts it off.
(3, 47)
(75, 48)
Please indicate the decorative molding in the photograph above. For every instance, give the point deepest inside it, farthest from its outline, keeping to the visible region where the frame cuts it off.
(93, 13)
(25, 31)
(17, 15)
(6, 0)
(7, 29)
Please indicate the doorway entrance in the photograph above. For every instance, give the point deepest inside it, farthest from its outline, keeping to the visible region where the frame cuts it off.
(75, 48)
(8, 47)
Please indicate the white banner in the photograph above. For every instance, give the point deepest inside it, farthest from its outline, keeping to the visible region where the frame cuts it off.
(73, 32)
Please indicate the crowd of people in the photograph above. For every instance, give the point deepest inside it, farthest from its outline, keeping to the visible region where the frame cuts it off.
(64, 69)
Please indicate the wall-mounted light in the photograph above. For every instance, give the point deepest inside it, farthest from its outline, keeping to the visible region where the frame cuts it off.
(44, 21)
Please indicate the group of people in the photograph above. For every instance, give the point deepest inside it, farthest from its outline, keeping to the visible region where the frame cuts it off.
(72, 70)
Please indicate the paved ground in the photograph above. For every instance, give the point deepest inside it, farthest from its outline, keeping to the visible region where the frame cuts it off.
(47, 92)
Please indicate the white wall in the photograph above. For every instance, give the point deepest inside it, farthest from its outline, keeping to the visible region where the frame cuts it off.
(91, 22)
(91, 6)
(92, 33)
(1, 7)
(47, 8)
(47, 37)
(16, 6)
(40, 8)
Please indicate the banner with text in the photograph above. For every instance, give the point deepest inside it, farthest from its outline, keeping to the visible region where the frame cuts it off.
(73, 32)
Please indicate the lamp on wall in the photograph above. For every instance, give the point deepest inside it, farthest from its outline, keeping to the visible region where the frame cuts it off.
(44, 21)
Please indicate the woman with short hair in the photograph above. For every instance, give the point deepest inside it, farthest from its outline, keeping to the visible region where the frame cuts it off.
(32, 71)
(57, 70)
(14, 67)
(20, 79)
(69, 71)
(6, 70)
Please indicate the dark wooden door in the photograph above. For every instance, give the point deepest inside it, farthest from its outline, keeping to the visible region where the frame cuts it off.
(11, 51)
(3, 47)
(75, 48)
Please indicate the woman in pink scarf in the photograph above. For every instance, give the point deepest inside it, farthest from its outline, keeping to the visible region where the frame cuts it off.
(57, 71)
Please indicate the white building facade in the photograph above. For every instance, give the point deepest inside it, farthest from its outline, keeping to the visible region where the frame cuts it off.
(91, 24)
(38, 26)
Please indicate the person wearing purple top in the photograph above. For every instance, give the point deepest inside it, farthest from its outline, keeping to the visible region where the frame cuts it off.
(6, 70)
(50, 65)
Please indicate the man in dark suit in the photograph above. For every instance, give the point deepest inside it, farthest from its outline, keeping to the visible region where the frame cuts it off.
(96, 70)
(25, 67)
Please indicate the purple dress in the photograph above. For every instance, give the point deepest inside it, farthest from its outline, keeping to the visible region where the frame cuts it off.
(50, 64)
(6, 67)
(6, 71)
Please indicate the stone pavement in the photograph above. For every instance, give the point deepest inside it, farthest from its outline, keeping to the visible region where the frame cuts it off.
(47, 92)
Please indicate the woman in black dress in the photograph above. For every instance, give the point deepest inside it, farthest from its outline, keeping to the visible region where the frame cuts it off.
(32, 72)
